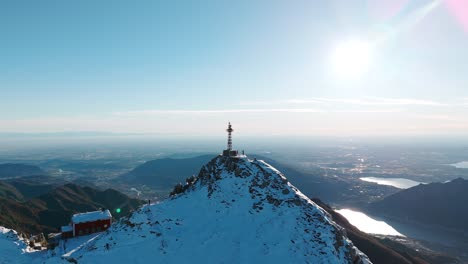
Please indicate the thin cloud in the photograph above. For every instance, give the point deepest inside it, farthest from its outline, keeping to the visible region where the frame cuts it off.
(384, 110)
(260, 103)
(366, 101)
(321, 105)
(441, 117)
(218, 111)
(369, 101)
(404, 101)
(269, 110)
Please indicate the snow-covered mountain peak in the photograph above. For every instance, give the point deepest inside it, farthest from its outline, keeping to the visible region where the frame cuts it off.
(237, 210)
(224, 176)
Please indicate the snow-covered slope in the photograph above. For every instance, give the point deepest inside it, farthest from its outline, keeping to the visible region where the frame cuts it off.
(13, 249)
(235, 211)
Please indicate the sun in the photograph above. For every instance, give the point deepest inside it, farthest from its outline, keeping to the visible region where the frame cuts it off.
(351, 59)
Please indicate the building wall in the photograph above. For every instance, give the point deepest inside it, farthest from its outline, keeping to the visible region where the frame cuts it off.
(91, 227)
(67, 234)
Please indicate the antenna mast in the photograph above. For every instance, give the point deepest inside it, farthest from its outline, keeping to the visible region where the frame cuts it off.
(229, 130)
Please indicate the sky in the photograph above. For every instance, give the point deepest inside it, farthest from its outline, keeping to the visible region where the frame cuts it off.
(290, 68)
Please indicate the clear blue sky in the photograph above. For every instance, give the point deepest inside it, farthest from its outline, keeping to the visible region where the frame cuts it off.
(178, 66)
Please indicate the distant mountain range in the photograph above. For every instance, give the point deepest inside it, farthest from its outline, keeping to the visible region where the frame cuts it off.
(30, 186)
(13, 170)
(165, 173)
(439, 204)
(33, 207)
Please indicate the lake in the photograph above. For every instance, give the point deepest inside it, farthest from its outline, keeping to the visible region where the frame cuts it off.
(367, 224)
(400, 183)
(461, 165)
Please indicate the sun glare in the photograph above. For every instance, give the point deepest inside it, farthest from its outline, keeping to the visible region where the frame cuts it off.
(352, 58)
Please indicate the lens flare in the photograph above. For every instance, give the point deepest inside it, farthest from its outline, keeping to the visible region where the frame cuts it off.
(386, 9)
(459, 8)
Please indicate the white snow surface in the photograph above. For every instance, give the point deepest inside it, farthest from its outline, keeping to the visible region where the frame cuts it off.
(236, 211)
(13, 249)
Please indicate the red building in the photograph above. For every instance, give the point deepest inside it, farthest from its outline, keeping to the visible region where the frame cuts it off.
(87, 223)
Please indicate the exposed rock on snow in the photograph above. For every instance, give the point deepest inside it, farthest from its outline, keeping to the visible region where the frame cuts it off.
(13, 249)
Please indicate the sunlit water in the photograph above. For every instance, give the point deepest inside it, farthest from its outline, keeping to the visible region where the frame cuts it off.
(367, 224)
(461, 165)
(400, 183)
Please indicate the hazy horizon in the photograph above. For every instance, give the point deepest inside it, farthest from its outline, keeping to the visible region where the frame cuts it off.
(213, 143)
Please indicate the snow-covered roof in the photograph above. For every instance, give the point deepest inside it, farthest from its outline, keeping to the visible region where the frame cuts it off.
(67, 228)
(91, 216)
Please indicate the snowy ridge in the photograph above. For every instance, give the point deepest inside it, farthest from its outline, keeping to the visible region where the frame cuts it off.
(236, 211)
